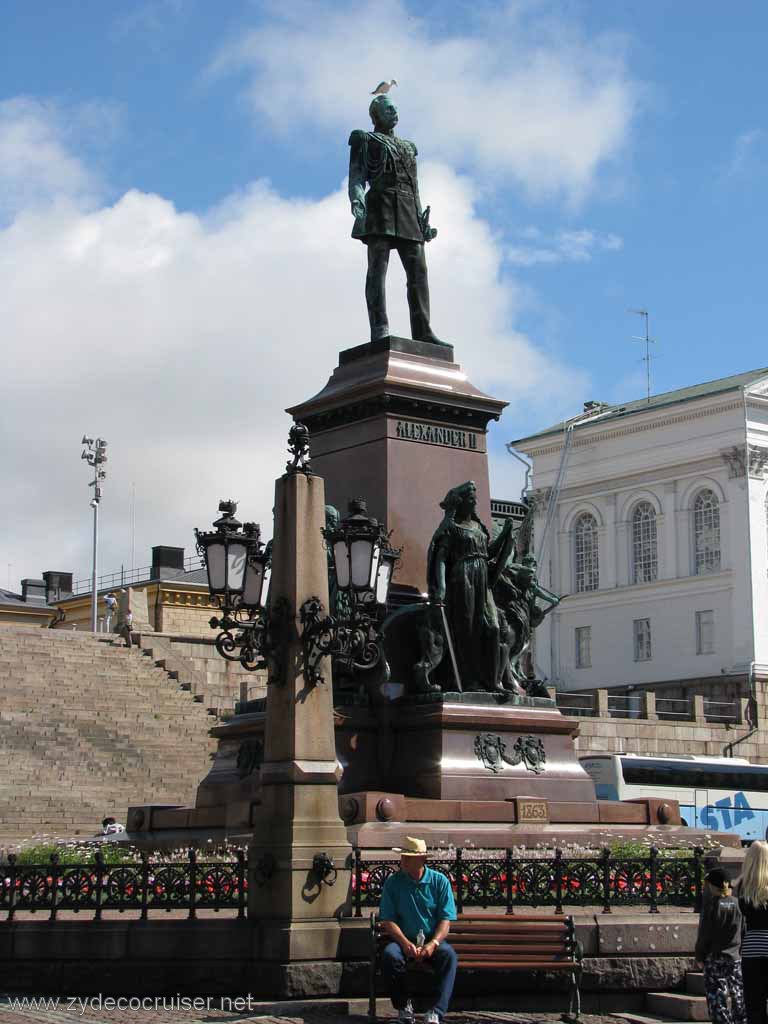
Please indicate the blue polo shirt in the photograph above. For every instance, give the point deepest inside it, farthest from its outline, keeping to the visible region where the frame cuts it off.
(415, 906)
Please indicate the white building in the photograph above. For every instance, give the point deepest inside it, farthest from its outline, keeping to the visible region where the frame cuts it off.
(659, 537)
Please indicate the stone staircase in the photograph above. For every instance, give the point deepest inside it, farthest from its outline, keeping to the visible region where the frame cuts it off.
(87, 728)
(688, 1005)
(669, 1007)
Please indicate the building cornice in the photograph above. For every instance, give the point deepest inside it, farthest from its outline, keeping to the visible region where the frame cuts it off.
(186, 598)
(12, 609)
(148, 586)
(632, 593)
(591, 434)
(645, 478)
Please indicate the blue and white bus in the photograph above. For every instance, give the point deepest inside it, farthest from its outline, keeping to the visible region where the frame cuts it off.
(721, 794)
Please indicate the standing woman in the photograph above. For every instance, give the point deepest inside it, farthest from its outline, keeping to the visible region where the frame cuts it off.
(753, 902)
(717, 950)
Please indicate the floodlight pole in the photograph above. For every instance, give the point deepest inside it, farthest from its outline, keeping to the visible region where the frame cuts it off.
(94, 584)
(95, 454)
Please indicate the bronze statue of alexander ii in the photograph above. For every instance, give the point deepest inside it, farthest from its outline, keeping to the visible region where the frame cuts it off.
(389, 216)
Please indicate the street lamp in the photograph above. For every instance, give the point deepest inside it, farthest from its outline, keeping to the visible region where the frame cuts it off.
(387, 561)
(356, 546)
(95, 454)
(236, 561)
(363, 564)
(238, 565)
(363, 561)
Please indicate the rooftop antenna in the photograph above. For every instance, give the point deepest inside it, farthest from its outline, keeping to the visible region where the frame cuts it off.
(648, 341)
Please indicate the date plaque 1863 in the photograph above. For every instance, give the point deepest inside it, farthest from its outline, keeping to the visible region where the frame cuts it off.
(530, 811)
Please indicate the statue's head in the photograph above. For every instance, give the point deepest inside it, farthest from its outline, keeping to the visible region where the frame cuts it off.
(528, 571)
(383, 113)
(461, 499)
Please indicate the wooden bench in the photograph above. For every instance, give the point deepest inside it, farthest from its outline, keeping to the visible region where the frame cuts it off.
(501, 942)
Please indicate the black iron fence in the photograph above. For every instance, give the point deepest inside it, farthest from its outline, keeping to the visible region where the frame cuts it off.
(500, 879)
(145, 887)
(479, 878)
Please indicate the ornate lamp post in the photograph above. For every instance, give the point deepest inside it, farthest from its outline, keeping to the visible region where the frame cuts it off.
(356, 544)
(225, 551)
(238, 565)
(363, 563)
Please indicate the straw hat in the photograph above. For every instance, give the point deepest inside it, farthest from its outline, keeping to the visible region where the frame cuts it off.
(413, 848)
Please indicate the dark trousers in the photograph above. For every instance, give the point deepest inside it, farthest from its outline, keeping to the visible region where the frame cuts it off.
(754, 970)
(417, 285)
(722, 984)
(442, 962)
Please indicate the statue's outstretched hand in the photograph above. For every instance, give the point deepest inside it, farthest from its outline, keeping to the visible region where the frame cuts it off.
(358, 209)
(427, 232)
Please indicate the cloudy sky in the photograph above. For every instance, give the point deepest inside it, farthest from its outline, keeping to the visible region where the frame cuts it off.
(175, 259)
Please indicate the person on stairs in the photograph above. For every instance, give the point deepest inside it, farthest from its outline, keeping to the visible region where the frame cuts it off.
(125, 626)
(110, 604)
(717, 950)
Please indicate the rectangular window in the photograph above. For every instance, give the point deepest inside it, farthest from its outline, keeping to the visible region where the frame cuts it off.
(642, 632)
(583, 646)
(705, 632)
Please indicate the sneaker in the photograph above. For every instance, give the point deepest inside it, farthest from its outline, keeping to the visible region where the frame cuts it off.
(431, 1017)
(406, 1015)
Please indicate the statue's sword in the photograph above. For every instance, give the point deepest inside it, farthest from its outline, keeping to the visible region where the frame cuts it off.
(451, 651)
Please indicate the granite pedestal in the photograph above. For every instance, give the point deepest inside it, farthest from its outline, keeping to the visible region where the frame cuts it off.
(399, 424)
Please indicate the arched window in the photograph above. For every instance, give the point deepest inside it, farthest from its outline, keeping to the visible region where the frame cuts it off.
(706, 532)
(586, 568)
(645, 560)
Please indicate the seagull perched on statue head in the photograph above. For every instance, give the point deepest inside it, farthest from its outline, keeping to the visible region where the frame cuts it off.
(383, 88)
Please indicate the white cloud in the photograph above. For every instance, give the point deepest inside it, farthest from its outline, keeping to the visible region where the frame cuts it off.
(181, 339)
(36, 162)
(524, 97)
(563, 247)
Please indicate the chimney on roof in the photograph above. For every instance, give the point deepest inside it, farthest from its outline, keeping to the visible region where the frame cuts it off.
(166, 560)
(57, 585)
(33, 591)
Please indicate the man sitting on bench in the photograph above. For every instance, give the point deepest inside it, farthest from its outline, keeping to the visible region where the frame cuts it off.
(415, 912)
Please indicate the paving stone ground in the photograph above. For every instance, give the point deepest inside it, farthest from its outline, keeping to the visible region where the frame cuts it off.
(49, 1010)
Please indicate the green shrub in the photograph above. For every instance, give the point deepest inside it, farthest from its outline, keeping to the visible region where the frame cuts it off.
(115, 853)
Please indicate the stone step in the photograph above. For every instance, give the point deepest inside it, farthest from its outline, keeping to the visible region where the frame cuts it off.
(126, 713)
(119, 781)
(630, 1017)
(88, 669)
(30, 804)
(91, 728)
(124, 792)
(694, 983)
(138, 768)
(677, 1005)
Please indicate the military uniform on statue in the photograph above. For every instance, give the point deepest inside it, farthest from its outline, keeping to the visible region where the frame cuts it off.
(389, 216)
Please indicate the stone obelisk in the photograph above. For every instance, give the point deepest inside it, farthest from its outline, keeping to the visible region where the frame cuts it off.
(298, 816)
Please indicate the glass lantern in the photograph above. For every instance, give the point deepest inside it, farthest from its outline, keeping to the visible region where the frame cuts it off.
(233, 559)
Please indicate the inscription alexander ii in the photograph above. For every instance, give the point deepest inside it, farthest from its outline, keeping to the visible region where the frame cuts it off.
(430, 434)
